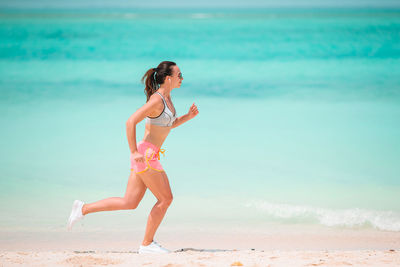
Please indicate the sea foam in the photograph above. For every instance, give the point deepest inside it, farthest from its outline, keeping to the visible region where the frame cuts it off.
(353, 217)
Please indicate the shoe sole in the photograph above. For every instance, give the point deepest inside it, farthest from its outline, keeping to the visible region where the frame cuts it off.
(152, 252)
(144, 251)
(75, 206)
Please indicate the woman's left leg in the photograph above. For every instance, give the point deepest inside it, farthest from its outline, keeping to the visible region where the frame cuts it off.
(158, 184)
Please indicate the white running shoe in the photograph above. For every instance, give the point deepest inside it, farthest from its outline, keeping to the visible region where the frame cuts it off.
(153, 248)
(76, 214)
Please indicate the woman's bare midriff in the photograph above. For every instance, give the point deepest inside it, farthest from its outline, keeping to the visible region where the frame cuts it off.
(156, 134)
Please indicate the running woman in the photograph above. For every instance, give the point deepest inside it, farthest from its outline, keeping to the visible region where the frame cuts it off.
(146, 170)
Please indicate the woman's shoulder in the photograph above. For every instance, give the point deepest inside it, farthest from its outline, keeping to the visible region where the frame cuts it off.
(157, 101)
(156, 98)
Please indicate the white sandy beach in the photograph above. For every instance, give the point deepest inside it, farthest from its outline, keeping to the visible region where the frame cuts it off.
(203, 258)
(287, 246)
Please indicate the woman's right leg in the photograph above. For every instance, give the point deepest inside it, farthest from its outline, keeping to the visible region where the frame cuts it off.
(134, 193)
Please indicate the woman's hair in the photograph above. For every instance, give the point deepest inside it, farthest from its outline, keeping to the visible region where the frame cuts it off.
(156, 76)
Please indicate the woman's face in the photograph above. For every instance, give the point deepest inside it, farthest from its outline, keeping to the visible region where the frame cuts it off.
(175, 79)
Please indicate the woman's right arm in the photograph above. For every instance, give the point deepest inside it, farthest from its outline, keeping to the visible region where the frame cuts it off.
(137, 117)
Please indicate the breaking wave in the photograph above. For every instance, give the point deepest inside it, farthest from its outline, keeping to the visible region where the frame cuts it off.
(382, 220)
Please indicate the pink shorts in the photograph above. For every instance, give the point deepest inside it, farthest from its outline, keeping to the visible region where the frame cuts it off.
(151, 154)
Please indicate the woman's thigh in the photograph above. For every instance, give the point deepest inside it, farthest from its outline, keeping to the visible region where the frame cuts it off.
(135, 189)
(158, 184)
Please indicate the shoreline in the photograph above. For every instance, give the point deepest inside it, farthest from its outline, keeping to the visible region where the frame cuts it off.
(276, 237)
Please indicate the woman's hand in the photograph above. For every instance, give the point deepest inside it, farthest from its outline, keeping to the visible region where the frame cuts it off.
(193, 111)
(137, 156)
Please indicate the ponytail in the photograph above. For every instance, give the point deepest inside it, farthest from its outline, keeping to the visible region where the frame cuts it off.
(156, 76)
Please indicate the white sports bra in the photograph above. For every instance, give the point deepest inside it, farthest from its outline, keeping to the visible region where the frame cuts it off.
(166, 118)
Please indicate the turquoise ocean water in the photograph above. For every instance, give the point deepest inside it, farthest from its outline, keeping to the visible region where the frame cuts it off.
(299, 117)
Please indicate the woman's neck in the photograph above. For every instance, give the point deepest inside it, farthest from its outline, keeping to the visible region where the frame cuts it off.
(164, 91)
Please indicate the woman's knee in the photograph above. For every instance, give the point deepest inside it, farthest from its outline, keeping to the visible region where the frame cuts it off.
(166, 202)
(130, 205)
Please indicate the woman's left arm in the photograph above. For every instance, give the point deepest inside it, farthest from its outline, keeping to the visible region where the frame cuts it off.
(190, 115)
